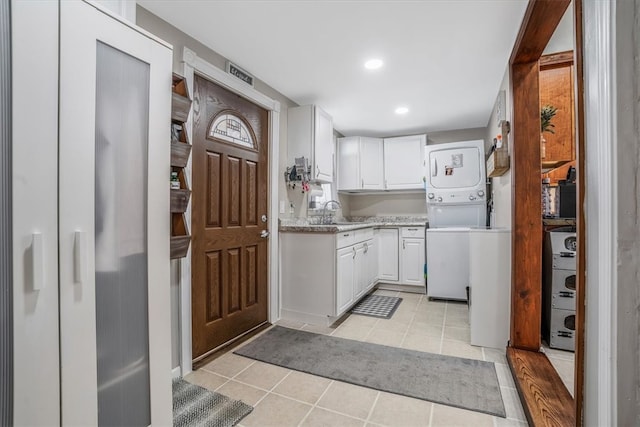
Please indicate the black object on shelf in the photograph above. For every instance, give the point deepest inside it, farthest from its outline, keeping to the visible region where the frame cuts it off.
(567, 199)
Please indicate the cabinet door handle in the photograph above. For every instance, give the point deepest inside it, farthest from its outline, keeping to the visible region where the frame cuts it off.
(366, 248)
(412, 229)
(361, 182)
(79, 257)
(317, 171)
(37, 260)
(403, 244)
(354, 252)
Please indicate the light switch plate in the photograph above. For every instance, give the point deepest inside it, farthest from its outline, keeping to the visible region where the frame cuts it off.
(282, 206)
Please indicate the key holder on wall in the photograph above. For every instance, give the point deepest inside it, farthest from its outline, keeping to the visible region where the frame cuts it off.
(299, 173)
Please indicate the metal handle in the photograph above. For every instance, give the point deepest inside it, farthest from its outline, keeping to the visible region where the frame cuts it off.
(317, 171)
(37, 261)
(412, 229)
(345, 235)
(403, 244)
(567, 254)
(361, 182)
(264, 234)
(354, 252)
(366, 248)
(79, 257)
(565, 294)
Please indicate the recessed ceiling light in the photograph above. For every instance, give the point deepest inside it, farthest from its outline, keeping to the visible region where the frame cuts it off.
(373, 64)
(402, 110)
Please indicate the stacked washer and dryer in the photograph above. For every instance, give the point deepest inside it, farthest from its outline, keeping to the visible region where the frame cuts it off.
(456, 203)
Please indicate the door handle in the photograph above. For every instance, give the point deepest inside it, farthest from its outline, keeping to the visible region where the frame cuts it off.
(79, 257)
(37, 261)
(264, 234)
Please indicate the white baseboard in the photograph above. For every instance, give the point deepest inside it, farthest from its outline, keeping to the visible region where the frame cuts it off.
(175, 372)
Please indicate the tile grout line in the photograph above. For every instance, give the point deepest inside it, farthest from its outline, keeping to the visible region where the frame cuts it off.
(272, 388)
(375, 402)
(444, 320)
(431, 415)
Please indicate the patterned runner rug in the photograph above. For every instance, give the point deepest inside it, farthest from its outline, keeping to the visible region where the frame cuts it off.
(377, 306)
(198, 407)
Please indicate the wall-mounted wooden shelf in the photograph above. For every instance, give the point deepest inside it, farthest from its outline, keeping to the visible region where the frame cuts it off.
(180, 102)
(180, 152)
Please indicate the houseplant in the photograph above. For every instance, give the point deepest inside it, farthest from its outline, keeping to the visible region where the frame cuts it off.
(546, 114)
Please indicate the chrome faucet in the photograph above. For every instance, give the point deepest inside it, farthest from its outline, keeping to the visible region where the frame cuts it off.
(324, 219)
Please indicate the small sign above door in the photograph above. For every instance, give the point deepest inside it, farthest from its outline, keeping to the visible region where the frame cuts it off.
(238, 72)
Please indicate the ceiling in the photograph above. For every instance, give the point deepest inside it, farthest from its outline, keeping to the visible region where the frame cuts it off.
(444, 60)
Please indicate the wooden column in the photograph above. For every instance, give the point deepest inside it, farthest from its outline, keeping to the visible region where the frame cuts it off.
(526, 299)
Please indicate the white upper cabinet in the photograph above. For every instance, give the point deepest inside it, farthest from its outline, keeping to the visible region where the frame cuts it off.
(310, 135)
(404, 167)
(360, 163)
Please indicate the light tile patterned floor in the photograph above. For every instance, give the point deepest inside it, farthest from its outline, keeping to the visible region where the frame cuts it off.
(282, 397)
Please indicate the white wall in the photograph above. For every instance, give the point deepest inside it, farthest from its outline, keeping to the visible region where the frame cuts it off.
(455, 135)
(501, 185)
(388, 204)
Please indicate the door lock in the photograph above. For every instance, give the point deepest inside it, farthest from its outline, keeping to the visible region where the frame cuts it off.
(264, 234)
(263, 218)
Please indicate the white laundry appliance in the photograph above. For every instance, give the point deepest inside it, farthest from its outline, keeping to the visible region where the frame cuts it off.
(456, 202)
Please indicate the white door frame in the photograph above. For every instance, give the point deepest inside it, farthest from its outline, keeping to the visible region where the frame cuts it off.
(601, 204)
(195, 65)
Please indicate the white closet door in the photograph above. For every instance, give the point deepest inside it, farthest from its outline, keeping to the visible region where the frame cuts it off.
(114, 221)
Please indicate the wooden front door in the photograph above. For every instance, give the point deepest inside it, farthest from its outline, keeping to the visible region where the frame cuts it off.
(229, 222)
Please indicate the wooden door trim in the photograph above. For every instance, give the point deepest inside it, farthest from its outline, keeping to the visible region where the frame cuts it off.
(581, 219)
(538, 25)
(193, 64)
(556, 59)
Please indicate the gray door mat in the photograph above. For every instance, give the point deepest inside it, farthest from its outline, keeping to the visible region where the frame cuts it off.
(195, 406)
(454, 381)
(377, 306)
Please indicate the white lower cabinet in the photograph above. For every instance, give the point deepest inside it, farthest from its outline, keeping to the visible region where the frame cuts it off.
(345, 278)
(412, 261)
(324, 274)
(388, 255)
(401, 256)
(371, 254)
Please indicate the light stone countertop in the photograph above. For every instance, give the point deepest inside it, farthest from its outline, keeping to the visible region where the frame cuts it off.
(312, 225)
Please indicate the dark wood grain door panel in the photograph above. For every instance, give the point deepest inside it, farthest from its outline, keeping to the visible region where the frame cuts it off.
(229, 258)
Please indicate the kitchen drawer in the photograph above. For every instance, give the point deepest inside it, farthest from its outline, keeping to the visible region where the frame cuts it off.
(415, 232)
(345, 238)
(363, 234)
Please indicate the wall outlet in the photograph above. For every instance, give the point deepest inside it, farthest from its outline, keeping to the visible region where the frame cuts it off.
(282, 206)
